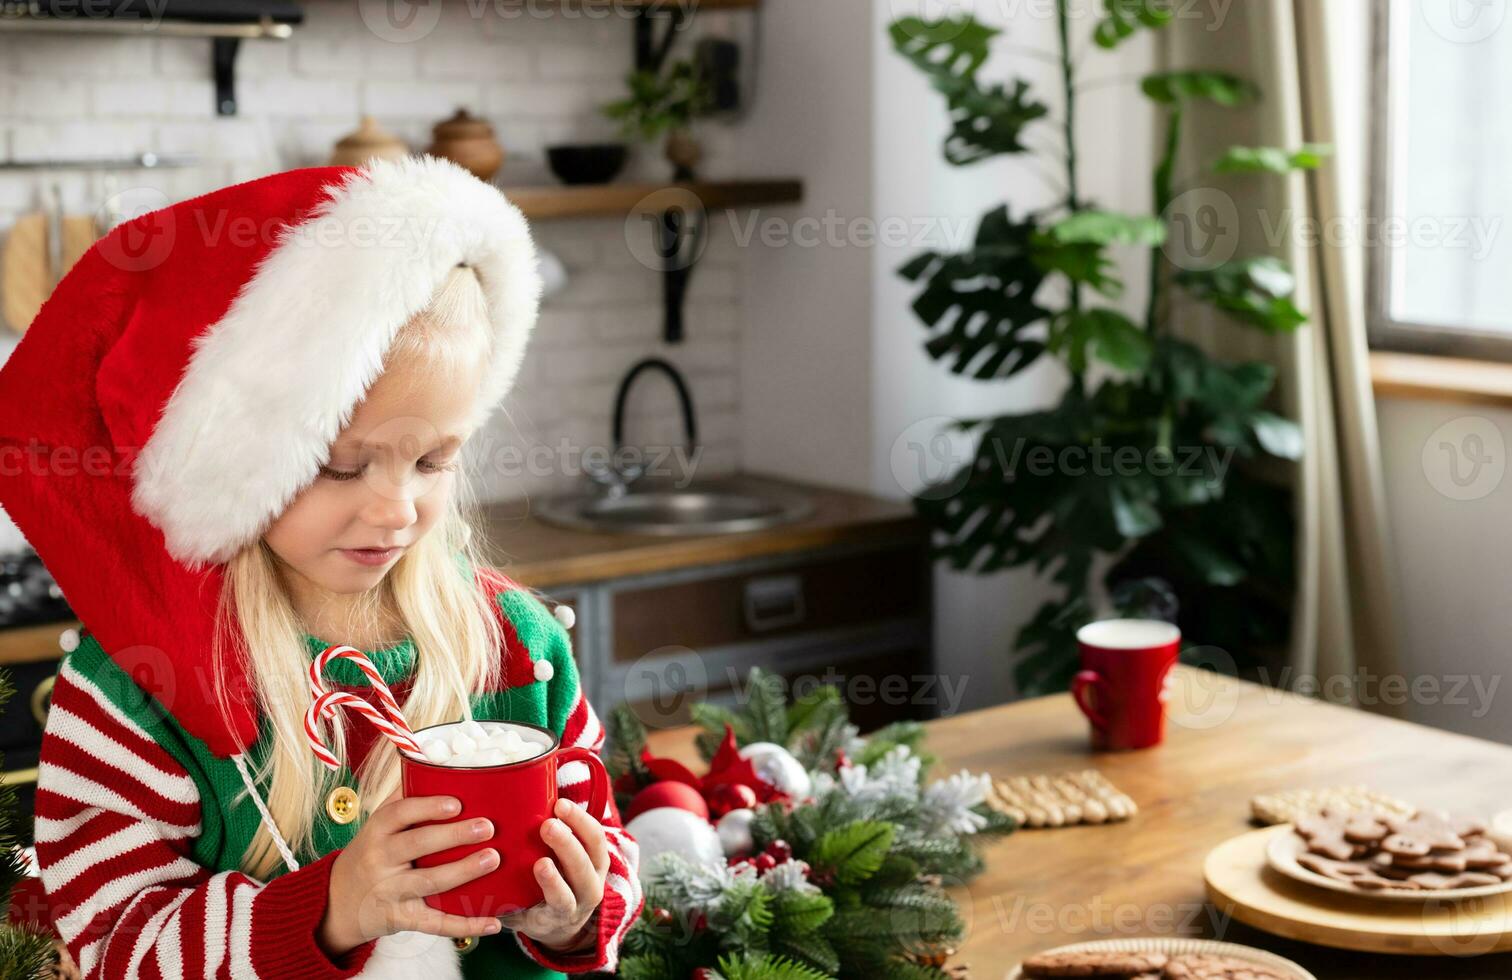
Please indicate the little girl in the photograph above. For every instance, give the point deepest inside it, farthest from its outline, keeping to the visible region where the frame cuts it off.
(274, 382)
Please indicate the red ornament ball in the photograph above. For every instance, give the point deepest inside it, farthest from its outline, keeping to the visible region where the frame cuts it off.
(668, 793)
(731, 796)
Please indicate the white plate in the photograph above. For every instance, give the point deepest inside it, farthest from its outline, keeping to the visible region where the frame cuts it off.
(1284, 848)
(1180, 947)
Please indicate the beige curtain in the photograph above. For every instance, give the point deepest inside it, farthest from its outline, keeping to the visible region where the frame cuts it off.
(1310, 59)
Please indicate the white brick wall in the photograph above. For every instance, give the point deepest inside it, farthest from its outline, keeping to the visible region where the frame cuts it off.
(538, 80)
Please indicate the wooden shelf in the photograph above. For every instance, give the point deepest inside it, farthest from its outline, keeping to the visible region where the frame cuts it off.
(553, 201)
(1450, 379)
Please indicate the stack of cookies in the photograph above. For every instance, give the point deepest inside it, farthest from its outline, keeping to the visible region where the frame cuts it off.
(1428, 851)
(1148, 966)
(1062, 800)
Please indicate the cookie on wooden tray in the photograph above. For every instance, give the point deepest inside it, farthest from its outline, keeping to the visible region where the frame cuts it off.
(1201, 966)
(1425, 832)
(1094, 963)
(1359, 872)
(1342, 834)
(1427, 851)
(1434, 881)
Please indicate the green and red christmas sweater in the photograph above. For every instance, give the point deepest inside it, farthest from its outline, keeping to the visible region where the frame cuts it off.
(140, 827)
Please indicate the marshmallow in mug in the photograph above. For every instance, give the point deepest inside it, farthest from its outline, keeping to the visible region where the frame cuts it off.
(473, 743)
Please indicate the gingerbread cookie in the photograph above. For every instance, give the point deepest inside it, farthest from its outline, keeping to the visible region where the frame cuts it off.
(1342, 834)
(1358, 872)
(1429, 851)
(1197, 966)
(1094, 964)
(1428, 831)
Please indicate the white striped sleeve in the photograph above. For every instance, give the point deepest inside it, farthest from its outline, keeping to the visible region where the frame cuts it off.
(117, 817)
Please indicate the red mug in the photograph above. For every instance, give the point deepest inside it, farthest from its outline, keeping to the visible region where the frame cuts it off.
(1121, 687)
(517, 798)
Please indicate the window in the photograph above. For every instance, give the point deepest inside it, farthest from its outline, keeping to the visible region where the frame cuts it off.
(1441, 250)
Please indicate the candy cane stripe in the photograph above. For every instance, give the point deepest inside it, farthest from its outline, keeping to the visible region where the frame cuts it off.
(390, 722)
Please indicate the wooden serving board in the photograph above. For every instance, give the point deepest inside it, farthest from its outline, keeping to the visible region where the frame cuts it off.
(1240, 882)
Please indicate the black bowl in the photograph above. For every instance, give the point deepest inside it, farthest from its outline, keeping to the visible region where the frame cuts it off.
(587, 163)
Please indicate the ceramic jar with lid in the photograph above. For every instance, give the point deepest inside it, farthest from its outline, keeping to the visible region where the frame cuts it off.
(367, 142)
(469, 141)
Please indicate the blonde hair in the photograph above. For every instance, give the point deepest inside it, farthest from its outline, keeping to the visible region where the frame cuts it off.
(449, 620)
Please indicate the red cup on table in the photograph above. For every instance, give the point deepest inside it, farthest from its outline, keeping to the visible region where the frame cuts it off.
(517, 797)
(1121, 688)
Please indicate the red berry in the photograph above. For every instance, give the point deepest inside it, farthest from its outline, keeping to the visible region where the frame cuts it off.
(780, 849)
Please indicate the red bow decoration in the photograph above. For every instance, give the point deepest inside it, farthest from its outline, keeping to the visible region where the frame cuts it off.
(727, 768)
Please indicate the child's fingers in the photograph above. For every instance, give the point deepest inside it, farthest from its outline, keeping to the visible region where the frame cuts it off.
(438, 923)
(590, 832)
(576, 864)
(555, 890)
(444, 877)
(402, 813)
(417, 842)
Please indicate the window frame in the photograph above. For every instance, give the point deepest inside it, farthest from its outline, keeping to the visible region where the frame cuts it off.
(1383, 262)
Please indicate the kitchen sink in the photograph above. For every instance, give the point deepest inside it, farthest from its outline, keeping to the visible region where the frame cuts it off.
(711, 507)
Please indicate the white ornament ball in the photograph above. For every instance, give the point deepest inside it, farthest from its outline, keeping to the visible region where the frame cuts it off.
(565, 615)
(670, 828)
(544, 671)
(777, 766)
(734, 829)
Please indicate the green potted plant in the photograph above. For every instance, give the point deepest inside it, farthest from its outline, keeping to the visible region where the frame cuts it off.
(665, 102)
(1181, 533)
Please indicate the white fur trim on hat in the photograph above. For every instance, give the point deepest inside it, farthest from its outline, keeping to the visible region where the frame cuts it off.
(270, 385)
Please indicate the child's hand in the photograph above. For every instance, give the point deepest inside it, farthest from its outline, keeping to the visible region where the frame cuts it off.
(374, 889)
(574, 893)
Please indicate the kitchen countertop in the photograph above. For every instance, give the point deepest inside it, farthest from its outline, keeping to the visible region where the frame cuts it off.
(541, 555)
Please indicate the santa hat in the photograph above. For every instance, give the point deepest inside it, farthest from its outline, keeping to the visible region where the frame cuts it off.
(188, 375)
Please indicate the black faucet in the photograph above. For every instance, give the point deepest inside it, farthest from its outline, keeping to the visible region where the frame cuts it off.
(617, 480)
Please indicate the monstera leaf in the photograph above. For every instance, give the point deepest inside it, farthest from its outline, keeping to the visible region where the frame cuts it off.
(985, 121)
(1221, 403)
(948, 50)
(1108, 228)
(1111, 336)
(977, 304)
(1175, 87)
(1271, 159)
(1122, 18)
(1257, 292)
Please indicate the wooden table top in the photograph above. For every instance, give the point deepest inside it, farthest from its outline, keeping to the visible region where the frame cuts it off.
(542, 555)
(1228, 740)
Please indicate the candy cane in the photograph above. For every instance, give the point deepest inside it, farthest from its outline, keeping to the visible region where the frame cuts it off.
(391, 722)
(327, 704)
(339, 652)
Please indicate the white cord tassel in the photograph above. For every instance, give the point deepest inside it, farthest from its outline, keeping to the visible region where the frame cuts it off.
(267, 818)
